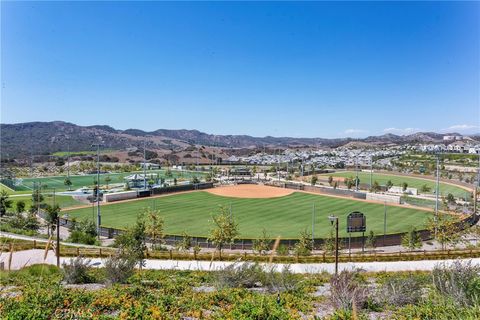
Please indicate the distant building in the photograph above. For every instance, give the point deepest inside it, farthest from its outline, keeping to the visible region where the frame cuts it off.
(452, 138)
(150, 166)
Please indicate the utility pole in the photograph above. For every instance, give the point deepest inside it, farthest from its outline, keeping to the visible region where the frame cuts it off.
(144, 166)
(68, 161)
(99, 218)
(58, 232)
(475, 190)
(384, 222)
(313, 226)
(371, 171)
(356, 172)
(437, 191)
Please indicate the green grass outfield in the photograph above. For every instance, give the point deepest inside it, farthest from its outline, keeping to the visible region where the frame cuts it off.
(285, 216)
(62, 201)
(57, 182)
(399, 180)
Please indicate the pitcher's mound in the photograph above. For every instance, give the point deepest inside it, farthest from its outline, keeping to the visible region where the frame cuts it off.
(250, 191)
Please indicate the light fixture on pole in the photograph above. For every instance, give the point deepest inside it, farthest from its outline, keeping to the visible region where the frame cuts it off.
(334, 221)
(97, 193)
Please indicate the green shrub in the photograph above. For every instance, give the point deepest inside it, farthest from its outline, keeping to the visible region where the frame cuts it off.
(459, 282)
(76, 271)
(118, 268)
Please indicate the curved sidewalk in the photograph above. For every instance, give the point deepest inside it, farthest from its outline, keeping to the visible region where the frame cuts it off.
(24, 258)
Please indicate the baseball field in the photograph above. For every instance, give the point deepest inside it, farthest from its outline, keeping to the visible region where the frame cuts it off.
(78, 181)
(412, 182)
(284, 214)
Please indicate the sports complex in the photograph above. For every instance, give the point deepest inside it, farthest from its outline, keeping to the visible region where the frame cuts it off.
(283, 212)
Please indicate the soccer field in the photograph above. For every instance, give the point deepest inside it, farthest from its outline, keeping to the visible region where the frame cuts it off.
(286, 216)
(399, 180)
(57, 182)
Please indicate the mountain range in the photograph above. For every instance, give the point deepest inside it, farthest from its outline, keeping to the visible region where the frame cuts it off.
(21, 139)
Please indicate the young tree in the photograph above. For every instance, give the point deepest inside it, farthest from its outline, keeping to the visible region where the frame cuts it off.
(375, 186)
(425, 188)
(451, 198)
(371, 240)
(330, 180)
(411, 240)
(329, 243)
(313, 180)
(389, 184)
(175, 181)
(53, 213)
(262, 244)
(445, 229)
(133, 242)
(20, 206)
(335, 185)
(404, 186)
(154, 227)
(304, 246)
(5, 203)
(107, 180)
(225, 229)
(68, 183)
(37, 198)
(185, 244)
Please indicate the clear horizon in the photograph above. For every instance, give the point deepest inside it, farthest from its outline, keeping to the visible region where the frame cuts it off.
(326, 70)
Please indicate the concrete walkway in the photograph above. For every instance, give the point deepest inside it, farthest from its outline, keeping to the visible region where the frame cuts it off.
(20, 259)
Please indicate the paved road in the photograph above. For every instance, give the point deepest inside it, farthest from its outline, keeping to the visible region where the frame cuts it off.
(20, 259)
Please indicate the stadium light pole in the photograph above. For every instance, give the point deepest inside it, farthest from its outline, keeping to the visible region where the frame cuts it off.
(99, 218)
(371, 171)
(384, 221)
(356, 172)
(313, 226)
(334, 221)
(437, 191)
(144, 166)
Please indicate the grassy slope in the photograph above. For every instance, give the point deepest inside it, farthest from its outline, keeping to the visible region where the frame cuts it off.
(398, 180)
(62, 201)
(286, 216)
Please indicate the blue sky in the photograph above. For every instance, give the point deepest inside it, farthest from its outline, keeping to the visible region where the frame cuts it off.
(282, 69)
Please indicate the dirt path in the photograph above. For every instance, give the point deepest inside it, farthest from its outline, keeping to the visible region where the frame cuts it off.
(250, 191)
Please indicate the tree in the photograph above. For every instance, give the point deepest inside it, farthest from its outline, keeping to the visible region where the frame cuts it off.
(371, 240)
(175, 181)
(425, 188)
(389, 184)
(195, 180)
(154, 227)
(375, 186)
(262, 244)
(53, 213)
(133, 242)
(445, 229)
(5, 203)
(330, 180)
(335, 185)
(404, 186)
(68, 182)
(314, 180)
(186, 243)
(107, 180)
(451, 198)
(349, 182)
(20, 206)
(304, 246)
(329, 243)
(225, 229)
(37, 198)
(411, 240)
